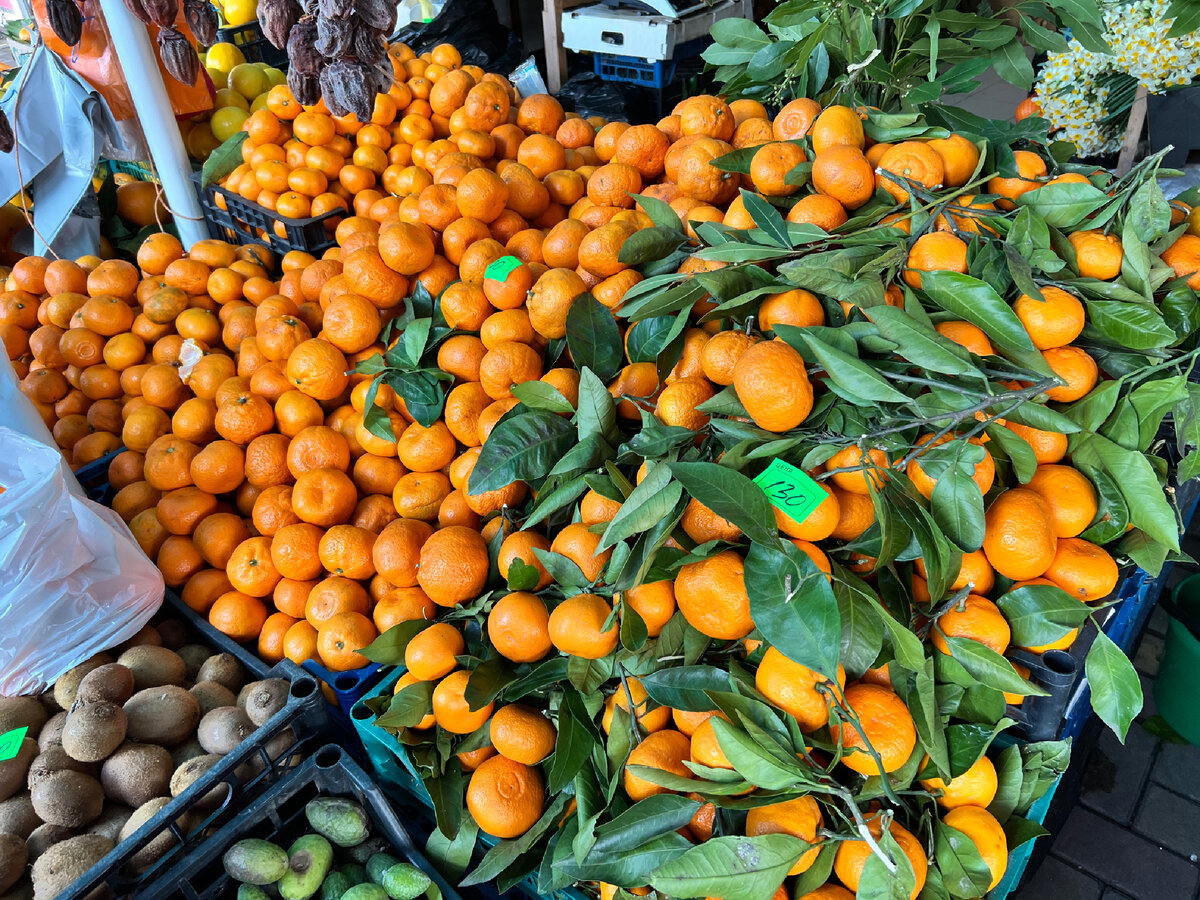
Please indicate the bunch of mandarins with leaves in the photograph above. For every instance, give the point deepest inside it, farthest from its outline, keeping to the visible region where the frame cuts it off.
(701, 475)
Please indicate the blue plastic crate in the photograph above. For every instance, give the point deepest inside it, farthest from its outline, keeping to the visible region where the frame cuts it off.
(657, 74)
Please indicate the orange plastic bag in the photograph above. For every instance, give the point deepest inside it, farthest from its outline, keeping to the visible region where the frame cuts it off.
(96, 61)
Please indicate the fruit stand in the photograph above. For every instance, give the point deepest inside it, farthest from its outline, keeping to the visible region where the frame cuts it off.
(758, 503)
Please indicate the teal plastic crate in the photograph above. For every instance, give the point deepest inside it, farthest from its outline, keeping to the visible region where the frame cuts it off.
(1018, 860)
(393, 770)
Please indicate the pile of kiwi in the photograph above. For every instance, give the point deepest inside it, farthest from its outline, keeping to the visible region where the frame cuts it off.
(111, 743)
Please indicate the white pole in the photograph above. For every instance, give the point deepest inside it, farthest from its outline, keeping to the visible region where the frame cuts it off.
(153, 107)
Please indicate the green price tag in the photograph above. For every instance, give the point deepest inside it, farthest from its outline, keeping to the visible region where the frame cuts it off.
(10, 742)
(790, 489)
(500, 269)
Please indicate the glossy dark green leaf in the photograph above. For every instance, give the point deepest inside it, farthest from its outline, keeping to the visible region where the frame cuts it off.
(957, 506)
(989, 668)
(793, 606)
(1130, 325)
(573, 745)
(685, 687)
(920, 344)
(408, 706)
(1064, 206)
(524, 446)
(487, 681)
(848, 372)
(769, 220)
(505, 853)
(644, 821)
(649, 503)
(753, 760)
(964, 872)
(593, 336)
(1041, 614)
(730, 495)
(650, 244)
(388, 648)
(978, 303)
(540, 395)
(647, 338)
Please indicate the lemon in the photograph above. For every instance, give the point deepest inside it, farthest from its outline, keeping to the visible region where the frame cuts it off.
(275, 76)
(201, 141)
(227, 122)
(1193, 221)
(224, 56)
(219, 79)
(230, 97)
(260, 102)
(248, 80)
(239, 12)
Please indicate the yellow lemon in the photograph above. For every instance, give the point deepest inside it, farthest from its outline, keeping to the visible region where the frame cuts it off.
(230, 97)
(1193, 221)
(219, 79)
(260, 102)
(239, 12)
(201, 141)
(223, 56)
(227, 122)
(248, 80)
(275, 76)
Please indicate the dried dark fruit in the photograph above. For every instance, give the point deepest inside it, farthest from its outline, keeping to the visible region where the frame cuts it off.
(305, 88)
(378, 14)
(138, 10)
(335, 37)
(277, 18)
(8, 140)
(302, 55)
(346, 85)
(384, 75)
(202, 20)
(66, 20)
(178, 56)
(163, 13)
(370, 46)
(336, 9)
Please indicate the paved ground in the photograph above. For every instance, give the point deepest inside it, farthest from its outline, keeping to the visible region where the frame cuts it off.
(1135, 832)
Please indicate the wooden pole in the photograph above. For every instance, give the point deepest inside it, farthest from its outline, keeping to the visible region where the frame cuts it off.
(1133, 133)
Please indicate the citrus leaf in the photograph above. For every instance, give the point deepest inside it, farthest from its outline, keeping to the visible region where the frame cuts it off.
(989, 668)
(978, 303)
(920, 344)
(731, 495)
(649, 504)
(593, 337)
(846, 371)
(964, 872)
(645, 820)
(540, 395)
(524, 446)
(685, 687)
(733, 868)
(957, 507)
(1116, 690)
(223, 159)
(750, 760)
(1041, 614)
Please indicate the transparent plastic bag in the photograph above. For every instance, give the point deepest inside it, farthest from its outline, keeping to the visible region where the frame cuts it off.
(73, 581)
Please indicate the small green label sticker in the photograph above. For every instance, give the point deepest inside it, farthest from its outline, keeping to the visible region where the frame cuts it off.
(10, 742)
(790, 489)
(500, 269)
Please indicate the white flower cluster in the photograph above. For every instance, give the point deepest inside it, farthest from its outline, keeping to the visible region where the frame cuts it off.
(1071, 89)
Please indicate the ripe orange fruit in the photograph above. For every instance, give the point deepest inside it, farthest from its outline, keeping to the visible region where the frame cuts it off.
(986, 833)
(974, 787)
(1030, 166)
(453, 565)
(853, 855)
(1019, 538)
(650, 716)
(887, 724)
(1076, 367)
(845, 174)
(653, 602)
(522, 734)
(504, 797)
(800, 817)
(936, 251)
(910, 162)
(518, 627)
(1054, 321)
(666, 750)
(772, 384)
(712, 596)
(1097, 255)
(1070, 496)
(978, 619)
(429, 656)
(450, 708)
(1082, 569)
(576, 627)
(341, 637)
(793, 688)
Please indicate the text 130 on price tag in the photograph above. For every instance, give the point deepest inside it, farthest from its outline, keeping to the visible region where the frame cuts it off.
(790, 489)
(500, 269)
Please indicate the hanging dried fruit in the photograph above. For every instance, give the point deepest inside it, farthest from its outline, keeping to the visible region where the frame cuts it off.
(202, 20)
(65, 20)
(302, 55)
(178, 56)
(277, 18)
(163, 13)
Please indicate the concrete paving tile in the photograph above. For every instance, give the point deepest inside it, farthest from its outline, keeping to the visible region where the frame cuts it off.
(1116, 775)
(1170, 820)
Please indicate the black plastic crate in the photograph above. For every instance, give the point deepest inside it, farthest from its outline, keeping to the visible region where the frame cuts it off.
(278, 815)
(246, 771)
(241, 222)
(93, 478)
(249, 38)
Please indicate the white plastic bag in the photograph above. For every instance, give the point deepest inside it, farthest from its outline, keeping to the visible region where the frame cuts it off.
(73, 581)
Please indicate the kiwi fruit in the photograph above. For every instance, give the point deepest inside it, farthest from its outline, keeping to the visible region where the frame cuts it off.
(162, 842)
(212, 695)
(60, 865)
(173, 632)
(67, 798)
(94, 730)
(190, 772)
(147, 636)
(223, 668)
(44, 837)
(136, 773)
(274, 749)
(266, 698)
(193, 656)
(166, 715)
(14, 771)
(153, 666)
(46, 698)
(110, 683)
(17, 816)
(111, 821)
(51, 733)
(189, 749)
(56, 759)
(68, 682)
(13, 857)
(223, 729)
(22, 712)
